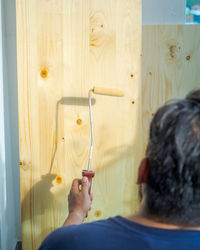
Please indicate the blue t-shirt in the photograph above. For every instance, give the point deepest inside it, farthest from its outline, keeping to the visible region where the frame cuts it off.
(119, 233)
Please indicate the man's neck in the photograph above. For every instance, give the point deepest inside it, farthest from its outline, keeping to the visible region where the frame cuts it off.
(143, 220)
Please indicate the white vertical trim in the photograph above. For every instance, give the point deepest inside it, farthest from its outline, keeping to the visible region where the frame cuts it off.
(10, 62)
(10, 226)
(3, 200)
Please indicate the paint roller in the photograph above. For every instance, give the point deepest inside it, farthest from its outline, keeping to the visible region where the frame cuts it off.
(98, 91)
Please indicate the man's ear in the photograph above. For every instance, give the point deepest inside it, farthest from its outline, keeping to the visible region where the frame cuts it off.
(143, 171)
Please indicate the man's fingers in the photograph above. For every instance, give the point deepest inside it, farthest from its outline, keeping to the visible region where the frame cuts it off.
(81, 185)
(91, 197)
(75, 185)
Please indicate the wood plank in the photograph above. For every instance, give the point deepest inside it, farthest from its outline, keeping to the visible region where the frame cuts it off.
(66, 47)
(170, 66)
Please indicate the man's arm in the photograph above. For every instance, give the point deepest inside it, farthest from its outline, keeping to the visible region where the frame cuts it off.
(79, 202)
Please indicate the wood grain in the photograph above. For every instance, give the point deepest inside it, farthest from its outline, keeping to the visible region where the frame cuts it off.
(65, 47)
(170, 66)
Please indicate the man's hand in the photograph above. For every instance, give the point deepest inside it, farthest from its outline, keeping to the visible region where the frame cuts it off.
(79, 201)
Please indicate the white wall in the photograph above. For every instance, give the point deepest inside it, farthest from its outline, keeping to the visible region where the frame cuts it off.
(163, 12)
(10, 222)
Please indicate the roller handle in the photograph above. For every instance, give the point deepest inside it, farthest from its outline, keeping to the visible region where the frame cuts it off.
(106, 91)
(89, 175)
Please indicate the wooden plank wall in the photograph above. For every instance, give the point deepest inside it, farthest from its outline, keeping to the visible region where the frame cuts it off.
(170, 66)
(64, 48)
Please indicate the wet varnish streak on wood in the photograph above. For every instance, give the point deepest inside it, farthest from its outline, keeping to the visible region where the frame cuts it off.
(64, 48)
(170, 66)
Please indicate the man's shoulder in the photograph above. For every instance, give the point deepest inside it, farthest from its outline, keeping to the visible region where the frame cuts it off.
(95, 225)
(79, 234)
(117, 233)
(95, 228)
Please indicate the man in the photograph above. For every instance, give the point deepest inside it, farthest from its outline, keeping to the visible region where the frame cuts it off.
(169, 175)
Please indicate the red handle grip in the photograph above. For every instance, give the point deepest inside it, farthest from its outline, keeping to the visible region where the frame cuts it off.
(89, 175)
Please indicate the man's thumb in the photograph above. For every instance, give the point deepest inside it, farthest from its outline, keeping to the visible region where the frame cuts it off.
(85, 183)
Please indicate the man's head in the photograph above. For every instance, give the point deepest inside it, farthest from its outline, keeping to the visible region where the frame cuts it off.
(171, 170)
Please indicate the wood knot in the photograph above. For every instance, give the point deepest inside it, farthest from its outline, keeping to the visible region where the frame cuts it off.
(172, 50)
(132, 75)
(44, 73)
(98, 213)
(58, 179)
(133, 102)
(150, 73)
(25, 166)
(188, 58)
(79, 121)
